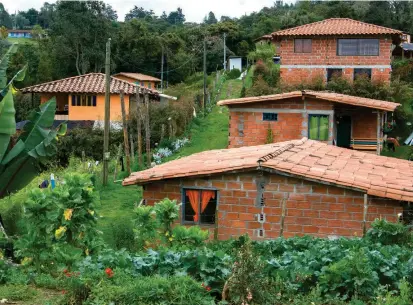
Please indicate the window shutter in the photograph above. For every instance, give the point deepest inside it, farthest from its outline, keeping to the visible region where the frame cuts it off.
(298, 45)
(94, 101)
(73, 100)
(307, 45)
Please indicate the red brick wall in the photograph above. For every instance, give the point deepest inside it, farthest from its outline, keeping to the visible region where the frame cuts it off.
(248, 129)
(311, 208)
(324, 52)
(364, 124)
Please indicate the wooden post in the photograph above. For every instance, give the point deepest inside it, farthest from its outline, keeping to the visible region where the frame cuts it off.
(162, 132)
(106, 154)
(147, 131)
(283, 206)
(378, 133)
(365, 208)
(132, 148)
(115, 173)
(125, 131)
(139, 127)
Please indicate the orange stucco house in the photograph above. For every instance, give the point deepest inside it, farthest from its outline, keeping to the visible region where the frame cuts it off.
(142, 80)
(83, 97)
(335, 46)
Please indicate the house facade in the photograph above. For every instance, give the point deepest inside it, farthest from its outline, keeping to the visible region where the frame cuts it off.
(82, 97)
(145, 81)
(285, 189)
(20, 34)
(336, 46)
(344, 120)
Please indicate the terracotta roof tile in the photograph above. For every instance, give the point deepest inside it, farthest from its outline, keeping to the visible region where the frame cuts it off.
(93, 83)
(337, 26)
(320, 95)
(306, 159)
(138, 76)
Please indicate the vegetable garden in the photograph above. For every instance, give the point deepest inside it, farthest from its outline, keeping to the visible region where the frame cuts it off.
(60, 248)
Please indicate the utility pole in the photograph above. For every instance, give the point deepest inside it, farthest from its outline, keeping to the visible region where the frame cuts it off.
(125, 132)
(225, 52)
(162, 71)
(106, 154)
(205, 77)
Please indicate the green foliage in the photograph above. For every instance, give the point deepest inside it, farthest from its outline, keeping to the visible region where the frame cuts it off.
(389, 233)
(174, 290)
(264, 53)
(234, 74)
(145, 226)
(166, 211)
(17, 292)
(248, 283)
(189, 237)
(60, 224)
(405, 297)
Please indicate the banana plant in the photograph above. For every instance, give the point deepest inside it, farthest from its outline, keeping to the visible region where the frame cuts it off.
(20, 158)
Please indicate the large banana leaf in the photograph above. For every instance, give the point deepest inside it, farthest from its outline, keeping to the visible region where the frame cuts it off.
(7, 122)
(4, 64)
(36, 144)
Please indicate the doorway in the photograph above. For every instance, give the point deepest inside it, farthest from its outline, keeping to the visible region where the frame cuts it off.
(344, 131)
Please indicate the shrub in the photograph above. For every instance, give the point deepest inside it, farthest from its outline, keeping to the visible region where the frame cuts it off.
(166, 211)
(123, 235)
(388, 233)
(234, 74)
(260, 87)
(145, 227)
(175, 290)
(191, 237)
(17, 292)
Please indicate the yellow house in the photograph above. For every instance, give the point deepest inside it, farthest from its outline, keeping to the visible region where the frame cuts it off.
(83, 97)
(142, 80)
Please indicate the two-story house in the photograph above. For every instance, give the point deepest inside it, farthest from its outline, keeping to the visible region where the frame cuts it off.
(335, 46)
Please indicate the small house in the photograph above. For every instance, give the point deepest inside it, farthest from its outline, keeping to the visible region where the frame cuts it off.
(83, 97)
(142, 80)
(343, 120)
(282, 189)
(20, 34)
(234, 62)
(336, 46)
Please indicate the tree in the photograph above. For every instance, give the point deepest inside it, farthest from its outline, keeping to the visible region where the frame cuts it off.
(37, 32)
(46, 15)
(20, 21)
(110, 13)
(176, 17)
(5, 19)
(210, 19)
(79, 33)
(3, 32)
(31, 15)
(138, 13)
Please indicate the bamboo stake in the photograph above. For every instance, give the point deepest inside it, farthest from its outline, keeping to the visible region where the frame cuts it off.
(365, 213)
(139, 127)
(125, 132)
(147, 131)
(283, 206)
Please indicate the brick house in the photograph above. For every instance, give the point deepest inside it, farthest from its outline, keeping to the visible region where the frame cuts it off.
(335, 46)
(343, 120)
(291, 188)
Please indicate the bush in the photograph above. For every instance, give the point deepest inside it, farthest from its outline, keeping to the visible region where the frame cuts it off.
(191, 237)
(175, 290)
(259, 88)
(389, 233)
(234, 74)
(123, 236)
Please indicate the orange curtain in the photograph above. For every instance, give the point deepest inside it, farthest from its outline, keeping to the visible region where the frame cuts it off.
(206, 197)
(194, 200)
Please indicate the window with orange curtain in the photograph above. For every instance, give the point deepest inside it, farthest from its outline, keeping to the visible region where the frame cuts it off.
(199, 206)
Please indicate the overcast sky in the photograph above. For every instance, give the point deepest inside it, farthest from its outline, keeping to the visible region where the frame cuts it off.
(194, 10)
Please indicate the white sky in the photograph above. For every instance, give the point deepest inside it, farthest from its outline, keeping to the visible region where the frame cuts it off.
(194, 10)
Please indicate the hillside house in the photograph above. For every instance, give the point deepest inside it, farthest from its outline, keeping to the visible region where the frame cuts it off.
(336, 46)
(291, 188)
(339, 119)
(142, 80)
(20, 33)
(83, 97)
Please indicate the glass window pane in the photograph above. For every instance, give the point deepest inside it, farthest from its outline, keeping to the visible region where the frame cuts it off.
(323, 128)
(208, 214)
(94, 101)
(362, 73)
(307, 45)
(78, 102)
(347, 47)
(89, 100)
(298, 45)
(313, 127)
(333, 73)
(369, 47)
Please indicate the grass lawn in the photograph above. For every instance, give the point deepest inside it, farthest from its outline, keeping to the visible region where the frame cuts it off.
(22, 40)
(231, 89)
(402, 152)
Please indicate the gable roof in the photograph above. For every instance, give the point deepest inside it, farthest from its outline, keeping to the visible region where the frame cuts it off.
(138, 76)
(337, 26)
(321, 95)
(306, 159)
(92, 83)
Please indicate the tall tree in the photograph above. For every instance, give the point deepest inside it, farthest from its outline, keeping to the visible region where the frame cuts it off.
(5, 19)
(210, 19)
(176, 17)
(138, 13)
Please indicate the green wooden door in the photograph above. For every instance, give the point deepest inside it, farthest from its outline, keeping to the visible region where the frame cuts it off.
(344, 131)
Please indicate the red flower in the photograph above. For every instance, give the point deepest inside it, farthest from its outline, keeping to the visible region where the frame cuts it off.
(64, 291)
(109, 272)
(65, 271)
(208, 288)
